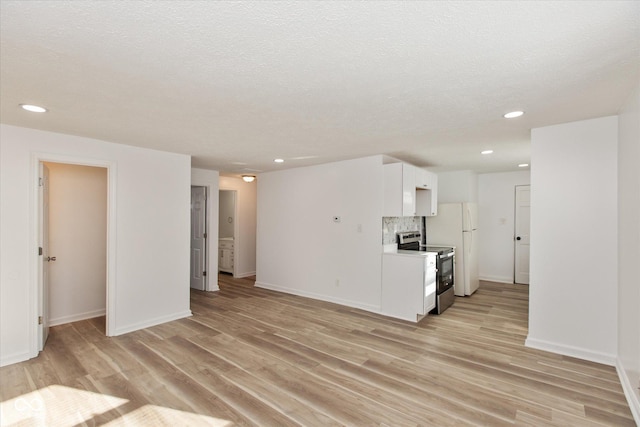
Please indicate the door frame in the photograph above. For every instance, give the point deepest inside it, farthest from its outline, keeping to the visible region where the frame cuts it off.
(236, 225)
(210, 180)
(515, 231)
(35, 280)
(206, 239)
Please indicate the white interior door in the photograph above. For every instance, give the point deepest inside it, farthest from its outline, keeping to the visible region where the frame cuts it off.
(45, 258)
(198, 237)
(523, 208)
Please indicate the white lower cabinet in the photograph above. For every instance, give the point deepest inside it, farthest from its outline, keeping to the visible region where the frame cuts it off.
(225, 256)
(408, 286)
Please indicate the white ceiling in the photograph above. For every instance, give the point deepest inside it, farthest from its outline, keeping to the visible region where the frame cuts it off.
(237, 84)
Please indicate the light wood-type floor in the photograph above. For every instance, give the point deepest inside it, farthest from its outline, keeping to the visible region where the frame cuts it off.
(254, 357)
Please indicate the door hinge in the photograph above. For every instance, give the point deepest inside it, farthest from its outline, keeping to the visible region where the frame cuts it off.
(40, 182)
(205, 235)
(204, 273)
(39, 251)
(39, 320)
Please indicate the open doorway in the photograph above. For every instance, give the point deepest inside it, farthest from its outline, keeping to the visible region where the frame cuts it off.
(227, 231)
(199, 235)
(73, 244)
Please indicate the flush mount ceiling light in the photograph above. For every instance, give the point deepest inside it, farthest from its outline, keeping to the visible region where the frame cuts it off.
(248, 178)
(278, 160)
(33, 108)
(523, 165)
(513, 114)
(486, 152)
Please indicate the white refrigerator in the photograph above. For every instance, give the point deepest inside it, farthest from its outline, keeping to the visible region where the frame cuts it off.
(457, 225)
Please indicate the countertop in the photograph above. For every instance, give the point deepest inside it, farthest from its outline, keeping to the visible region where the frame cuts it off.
(406, 253)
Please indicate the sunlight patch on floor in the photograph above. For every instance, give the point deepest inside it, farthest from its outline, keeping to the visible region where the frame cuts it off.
(56, 405)
(61, 406)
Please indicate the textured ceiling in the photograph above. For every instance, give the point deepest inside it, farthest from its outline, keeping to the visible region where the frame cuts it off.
(237, 84)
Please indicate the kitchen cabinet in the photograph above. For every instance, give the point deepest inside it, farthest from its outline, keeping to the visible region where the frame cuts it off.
(423, 179)
(408, 286)
(409, 191)
(427, 195)
(399, 190)
(225, 255)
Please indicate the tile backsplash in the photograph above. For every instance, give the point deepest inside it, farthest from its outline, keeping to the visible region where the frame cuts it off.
(394, 224)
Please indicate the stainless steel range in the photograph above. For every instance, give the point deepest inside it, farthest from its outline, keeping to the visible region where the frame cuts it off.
(445, 266)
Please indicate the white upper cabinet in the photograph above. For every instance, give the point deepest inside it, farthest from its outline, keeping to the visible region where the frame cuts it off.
(427, 193)
(399, 199)
(409, 191)
(423, 178)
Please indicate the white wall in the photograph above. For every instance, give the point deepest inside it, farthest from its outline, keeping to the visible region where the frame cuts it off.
(629, 249)
(458, 186)
(496, 223)
(149, 199)
(573, 291)
(210, 179)
(244, 245)
(302, 251)
(227, 214)
(78, 239)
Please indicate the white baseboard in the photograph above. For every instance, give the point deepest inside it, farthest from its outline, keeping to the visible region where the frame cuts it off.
(348, 303)
(77, 317)
(241, 275)
(15, 358)
(499, 279)
(630, 391)
(567, 350)
(151, 322)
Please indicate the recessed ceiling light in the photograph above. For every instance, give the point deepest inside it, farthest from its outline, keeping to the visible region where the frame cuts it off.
(513, 114)
(278, 160)
(523, 165)
(33, 108)
(486, 152)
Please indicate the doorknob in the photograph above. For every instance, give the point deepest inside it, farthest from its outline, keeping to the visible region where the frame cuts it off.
(51, 258)
(517, 238)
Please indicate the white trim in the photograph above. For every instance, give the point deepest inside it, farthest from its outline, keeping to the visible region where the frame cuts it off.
(498, 279)
(34, 282)
(567, 350)
(15, 358)
(207, 231)
(212, 224)
(629, 391)
(77, 317)
(241, 275)
(152, 322)
(236, 228)
(348, 303)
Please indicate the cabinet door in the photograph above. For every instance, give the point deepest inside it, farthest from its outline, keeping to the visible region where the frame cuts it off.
(427, 200)
(408, 190)
(422, 179)
(433, 202)
(430, 283)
